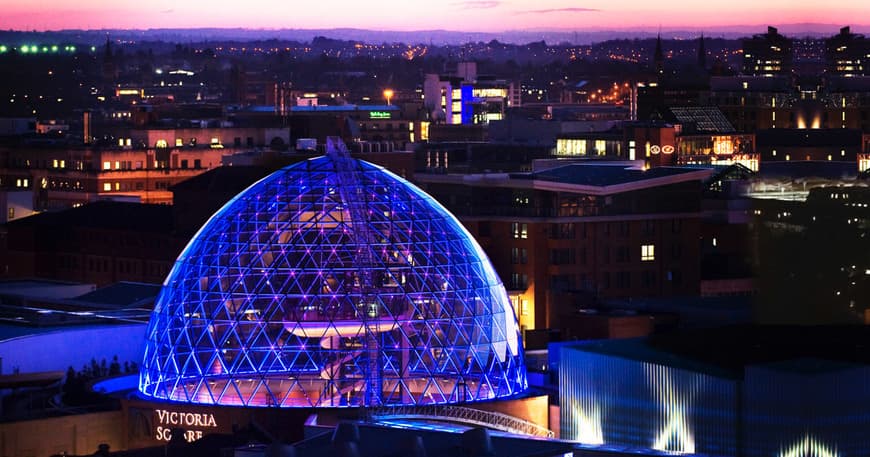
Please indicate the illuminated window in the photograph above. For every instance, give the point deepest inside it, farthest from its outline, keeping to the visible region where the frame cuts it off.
(107, 187)
(179, 142)
(107, 165)
(161, 144)
(647, 252)
(520, 231)
(601, 147)
(117, 165)
(11, 214)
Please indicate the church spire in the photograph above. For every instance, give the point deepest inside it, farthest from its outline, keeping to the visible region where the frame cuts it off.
(658, 57)
(702, 53)
(108, 52)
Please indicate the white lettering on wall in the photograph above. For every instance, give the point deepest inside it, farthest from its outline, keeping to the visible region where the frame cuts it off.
(169, 419)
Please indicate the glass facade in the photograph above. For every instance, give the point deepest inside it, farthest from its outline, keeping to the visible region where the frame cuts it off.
(626, 394)
(611, 400)
(332, 282)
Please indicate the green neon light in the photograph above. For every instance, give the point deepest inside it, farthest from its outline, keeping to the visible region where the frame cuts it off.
(54, 48)
(3, 48)
(25, 49)
(380, 115)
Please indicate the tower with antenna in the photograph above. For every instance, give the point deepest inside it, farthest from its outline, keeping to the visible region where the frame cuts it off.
(702, 53)
(659, 57)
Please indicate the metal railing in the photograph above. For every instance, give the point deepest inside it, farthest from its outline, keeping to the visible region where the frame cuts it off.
(462, 415)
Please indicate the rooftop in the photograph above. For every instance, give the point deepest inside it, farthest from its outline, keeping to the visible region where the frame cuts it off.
(342, 108)
(602, 175)
(105, 214)
(815, 349)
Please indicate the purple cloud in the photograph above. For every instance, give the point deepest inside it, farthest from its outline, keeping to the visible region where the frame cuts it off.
(477, 4)
(562, 10)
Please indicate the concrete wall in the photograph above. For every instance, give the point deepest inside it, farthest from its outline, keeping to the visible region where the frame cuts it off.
(76, 435)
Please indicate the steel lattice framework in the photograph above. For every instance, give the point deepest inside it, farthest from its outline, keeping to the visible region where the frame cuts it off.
(332, 282)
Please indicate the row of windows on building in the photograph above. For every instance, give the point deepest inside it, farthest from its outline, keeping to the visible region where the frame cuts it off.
(22, 162)
(127, 186)
(106, 165)
(577, 256)
(567, 231)
(607, 280)
(214, 142)
(139, 164)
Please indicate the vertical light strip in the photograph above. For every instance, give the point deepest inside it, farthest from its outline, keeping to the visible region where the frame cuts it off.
(675, 432)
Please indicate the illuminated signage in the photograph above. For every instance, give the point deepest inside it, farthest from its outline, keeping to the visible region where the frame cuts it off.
(380, 115)
(666, 149)
(167, 420)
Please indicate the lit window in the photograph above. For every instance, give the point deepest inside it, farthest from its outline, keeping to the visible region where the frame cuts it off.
(107, 187)
(117, 165)
(179, 142)
(107, 165)
(520, 231)
(647, 252)
(11, 214)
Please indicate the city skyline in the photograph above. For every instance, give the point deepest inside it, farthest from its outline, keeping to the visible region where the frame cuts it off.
(467, 15)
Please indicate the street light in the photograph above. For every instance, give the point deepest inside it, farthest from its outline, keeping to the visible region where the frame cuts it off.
(388, 94)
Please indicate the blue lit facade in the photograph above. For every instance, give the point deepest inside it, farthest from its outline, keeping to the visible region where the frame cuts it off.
(625, 394)
(332, 282)
(612, 400)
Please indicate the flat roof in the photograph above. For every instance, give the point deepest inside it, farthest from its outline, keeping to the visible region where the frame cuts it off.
(805, 349)
(141, 217)
(342, 108)
(121, 295)
(380, 440)
(602, 175)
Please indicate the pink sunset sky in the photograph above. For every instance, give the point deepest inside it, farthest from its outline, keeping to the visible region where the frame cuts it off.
(468, 15)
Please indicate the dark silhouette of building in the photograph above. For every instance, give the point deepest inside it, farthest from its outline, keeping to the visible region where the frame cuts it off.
(768, 54)
(846, 53)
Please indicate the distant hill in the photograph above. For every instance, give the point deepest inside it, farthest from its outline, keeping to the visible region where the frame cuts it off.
(438, 37)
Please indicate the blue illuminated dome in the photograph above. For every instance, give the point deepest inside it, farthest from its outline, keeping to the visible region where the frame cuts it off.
(332, 282)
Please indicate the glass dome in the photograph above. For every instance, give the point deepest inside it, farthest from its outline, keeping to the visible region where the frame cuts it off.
(332, 282)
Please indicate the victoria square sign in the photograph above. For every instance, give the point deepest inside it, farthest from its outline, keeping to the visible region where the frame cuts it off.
(193, 424)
